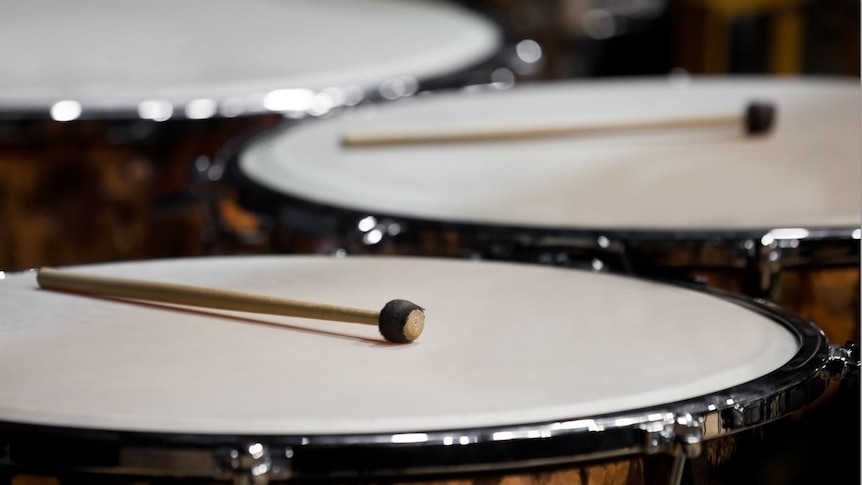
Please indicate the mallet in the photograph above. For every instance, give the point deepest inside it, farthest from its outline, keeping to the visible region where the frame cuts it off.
(757, 119)
(399, 321)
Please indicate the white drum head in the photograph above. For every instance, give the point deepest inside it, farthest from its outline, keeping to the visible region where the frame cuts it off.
(804, 174)
(504, 344)
(115, 54)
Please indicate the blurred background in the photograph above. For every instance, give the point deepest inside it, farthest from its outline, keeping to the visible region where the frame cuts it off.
(592, 38)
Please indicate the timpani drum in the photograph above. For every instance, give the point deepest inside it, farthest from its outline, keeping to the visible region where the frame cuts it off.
(112, 111)
(773, 216)
(524, 374)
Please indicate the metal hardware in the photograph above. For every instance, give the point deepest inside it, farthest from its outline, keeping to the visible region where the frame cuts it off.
(762, 268)
(255, 464)
(679, 436)
(844, 361)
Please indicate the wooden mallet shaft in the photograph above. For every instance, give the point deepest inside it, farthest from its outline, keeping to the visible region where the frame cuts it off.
(398, 321)
(757, 120)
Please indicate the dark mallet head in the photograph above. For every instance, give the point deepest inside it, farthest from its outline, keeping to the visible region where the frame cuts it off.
(759, 118)
(401, 321)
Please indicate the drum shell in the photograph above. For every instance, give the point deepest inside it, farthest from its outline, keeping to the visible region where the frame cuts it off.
(135, 182)
(95, 190)
(816, 279)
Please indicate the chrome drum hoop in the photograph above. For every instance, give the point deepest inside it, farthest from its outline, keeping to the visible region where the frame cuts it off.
(678, 429)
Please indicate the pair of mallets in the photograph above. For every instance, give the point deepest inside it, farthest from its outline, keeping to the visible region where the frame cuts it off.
(400, 320)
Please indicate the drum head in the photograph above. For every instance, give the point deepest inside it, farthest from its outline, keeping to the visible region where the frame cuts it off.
(113, 55)
(506, 349)
(805, 173)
